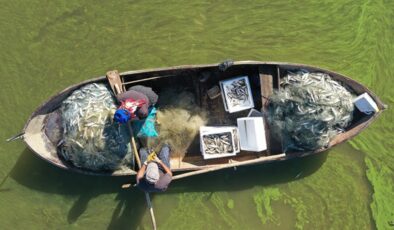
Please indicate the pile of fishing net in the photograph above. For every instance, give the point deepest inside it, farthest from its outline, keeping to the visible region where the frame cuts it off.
(179, 120)
(309, 110)
(90, 138)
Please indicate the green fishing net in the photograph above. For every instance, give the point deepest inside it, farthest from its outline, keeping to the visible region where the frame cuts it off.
(308, 110)
(90, 139)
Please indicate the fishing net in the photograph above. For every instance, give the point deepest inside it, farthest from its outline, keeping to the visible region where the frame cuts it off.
(90, 139)
(179, 121)
(309, 110)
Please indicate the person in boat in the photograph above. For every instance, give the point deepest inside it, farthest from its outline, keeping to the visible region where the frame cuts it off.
(135, 103)
(155, 175)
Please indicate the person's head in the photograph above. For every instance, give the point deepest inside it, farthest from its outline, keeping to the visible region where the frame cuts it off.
(122, 116)
(152, 174)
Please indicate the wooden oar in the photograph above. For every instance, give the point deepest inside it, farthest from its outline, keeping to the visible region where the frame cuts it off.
(219, 167)
(229, 165)
(116, 85)
(137, 157)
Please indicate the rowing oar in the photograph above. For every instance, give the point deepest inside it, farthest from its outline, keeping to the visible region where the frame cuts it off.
(137, 157)
(225, 166)
(230, 165)
(116, 85)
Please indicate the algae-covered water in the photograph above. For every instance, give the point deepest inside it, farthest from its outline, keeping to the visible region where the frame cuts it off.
(48, 45)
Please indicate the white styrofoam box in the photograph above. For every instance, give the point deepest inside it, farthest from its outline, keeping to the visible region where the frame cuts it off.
(229, 106)
(207, 130)
(252, 134)
(365, 104)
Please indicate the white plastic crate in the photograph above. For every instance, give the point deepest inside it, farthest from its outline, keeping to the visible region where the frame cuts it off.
(231, 131)
(234, 103)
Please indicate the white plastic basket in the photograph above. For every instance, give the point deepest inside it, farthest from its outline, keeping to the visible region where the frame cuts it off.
(231, 88)
(232, 133)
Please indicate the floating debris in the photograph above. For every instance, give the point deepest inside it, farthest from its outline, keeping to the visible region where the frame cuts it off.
(90, 139)
(309, 110)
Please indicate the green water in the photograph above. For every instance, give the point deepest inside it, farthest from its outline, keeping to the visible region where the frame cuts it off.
(47, 45)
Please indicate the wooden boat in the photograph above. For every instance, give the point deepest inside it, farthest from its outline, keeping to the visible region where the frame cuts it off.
(195, 77)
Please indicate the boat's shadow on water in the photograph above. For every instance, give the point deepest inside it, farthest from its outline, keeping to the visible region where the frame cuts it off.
(37, 174)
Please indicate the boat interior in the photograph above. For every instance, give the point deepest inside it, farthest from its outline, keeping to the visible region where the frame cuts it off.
(264, 80)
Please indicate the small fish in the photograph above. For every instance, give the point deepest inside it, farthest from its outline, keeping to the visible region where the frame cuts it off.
(60, 142)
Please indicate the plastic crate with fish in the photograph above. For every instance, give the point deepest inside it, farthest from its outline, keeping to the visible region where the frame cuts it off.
(236, 94)
(217, 142)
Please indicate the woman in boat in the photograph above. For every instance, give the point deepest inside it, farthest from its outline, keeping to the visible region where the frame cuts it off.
(155, 175)
(135, 103)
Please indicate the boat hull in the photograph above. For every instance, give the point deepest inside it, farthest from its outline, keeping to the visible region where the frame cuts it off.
(39, 143)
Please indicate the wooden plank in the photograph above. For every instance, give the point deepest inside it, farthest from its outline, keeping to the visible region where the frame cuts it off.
(198, 160)
(114, 81)
(123, 84)
(229, 165)
(195, 161)
(269, 80)
(146, 79)
(266, 82)
(276, 84)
